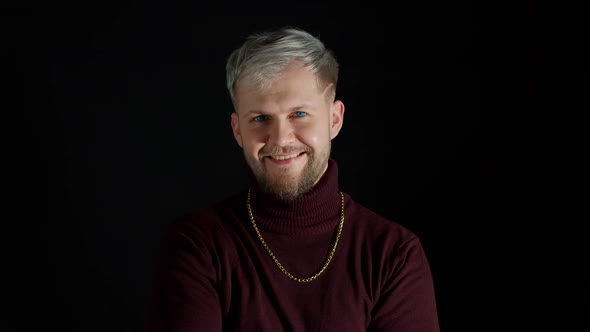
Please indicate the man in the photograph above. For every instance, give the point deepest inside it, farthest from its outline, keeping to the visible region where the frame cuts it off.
(291, 252)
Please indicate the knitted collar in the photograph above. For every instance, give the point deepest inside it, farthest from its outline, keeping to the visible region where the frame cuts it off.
(316, 210)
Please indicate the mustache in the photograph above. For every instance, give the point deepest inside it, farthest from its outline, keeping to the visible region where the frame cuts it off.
(274, 150)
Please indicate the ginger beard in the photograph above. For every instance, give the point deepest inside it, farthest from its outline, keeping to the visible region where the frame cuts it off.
(283, 182)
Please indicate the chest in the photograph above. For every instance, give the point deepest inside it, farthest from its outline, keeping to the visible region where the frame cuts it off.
(329, 303)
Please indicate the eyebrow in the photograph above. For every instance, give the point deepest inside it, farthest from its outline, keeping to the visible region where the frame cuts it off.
(290, 110)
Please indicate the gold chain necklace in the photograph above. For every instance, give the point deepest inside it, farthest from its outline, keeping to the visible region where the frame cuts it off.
(274, 258)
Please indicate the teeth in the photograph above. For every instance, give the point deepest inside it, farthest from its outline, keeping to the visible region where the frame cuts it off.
(285, 157)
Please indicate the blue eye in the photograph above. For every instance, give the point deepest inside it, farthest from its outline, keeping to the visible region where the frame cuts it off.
(300, 114)
(259, 118)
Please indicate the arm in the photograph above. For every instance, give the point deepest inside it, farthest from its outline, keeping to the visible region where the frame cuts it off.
(407, 300)
(183, 296)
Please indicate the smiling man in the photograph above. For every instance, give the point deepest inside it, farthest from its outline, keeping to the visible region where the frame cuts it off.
(292, 252)
(286, 129)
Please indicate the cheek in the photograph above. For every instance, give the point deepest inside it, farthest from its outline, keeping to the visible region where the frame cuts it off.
(313, 136)
(253, 137)
(253, 142)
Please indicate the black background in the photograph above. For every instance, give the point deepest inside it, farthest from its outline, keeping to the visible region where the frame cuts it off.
(123, 123)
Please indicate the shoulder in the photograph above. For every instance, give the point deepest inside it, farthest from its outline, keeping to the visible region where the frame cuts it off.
(206, 224)
(377, 228)
(394, 249)
(201, 242)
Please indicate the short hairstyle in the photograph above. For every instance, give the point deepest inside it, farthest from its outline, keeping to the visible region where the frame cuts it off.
(265, 55)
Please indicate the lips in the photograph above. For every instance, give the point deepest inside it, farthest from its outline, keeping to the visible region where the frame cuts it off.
(284, 157)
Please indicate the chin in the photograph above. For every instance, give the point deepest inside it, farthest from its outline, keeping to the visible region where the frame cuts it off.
(287, 189)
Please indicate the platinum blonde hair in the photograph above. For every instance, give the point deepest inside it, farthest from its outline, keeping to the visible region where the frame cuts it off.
(265, 55)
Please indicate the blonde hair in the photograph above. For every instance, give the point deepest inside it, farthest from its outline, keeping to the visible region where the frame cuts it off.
(265, 55)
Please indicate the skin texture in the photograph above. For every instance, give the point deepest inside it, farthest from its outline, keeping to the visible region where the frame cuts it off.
(292, 119)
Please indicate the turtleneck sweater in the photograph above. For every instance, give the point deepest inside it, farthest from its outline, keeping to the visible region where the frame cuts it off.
(213, 273)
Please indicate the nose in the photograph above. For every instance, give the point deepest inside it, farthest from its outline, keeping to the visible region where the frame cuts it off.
(281, 133)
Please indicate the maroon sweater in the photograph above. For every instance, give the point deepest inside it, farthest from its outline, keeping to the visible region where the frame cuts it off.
(213, 274)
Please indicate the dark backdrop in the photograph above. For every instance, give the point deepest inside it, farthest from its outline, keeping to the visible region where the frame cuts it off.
(123, 124)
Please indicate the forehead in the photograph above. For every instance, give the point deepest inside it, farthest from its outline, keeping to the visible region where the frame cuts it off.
(294, 86)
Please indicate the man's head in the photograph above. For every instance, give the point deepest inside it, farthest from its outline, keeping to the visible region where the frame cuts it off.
(283, 87)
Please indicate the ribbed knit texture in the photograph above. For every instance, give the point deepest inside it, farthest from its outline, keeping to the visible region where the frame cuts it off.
(315, 211)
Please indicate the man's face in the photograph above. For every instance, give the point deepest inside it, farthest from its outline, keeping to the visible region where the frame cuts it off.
(286, 131)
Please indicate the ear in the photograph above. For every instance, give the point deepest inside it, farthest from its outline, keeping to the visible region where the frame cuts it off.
(235, 126)
(336, 118)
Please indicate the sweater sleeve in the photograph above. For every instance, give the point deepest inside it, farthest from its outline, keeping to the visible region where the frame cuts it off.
(183, 296)
(407, 300)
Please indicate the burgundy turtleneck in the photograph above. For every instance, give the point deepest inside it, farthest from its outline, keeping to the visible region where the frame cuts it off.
(213, 274)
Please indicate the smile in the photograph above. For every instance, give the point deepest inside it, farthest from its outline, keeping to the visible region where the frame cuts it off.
(290, 156)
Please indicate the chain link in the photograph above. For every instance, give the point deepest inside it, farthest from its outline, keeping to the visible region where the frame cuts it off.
(275, 259)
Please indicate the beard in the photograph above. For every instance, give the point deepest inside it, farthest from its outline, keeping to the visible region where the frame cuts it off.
(287, 186)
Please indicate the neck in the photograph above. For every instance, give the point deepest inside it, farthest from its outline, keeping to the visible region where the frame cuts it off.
(318, 205)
